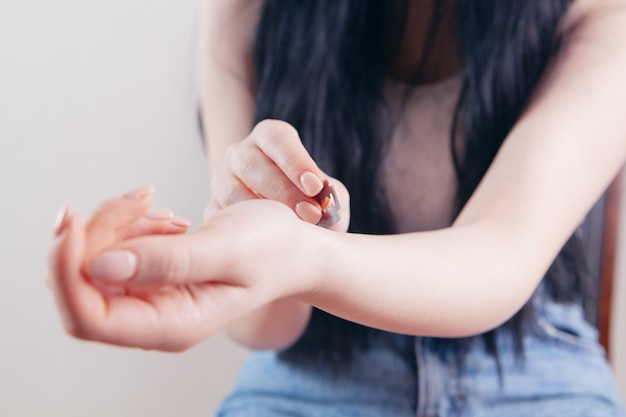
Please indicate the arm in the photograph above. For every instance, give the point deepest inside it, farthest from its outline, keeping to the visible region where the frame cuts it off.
(225, 73)
(227, 106)
(471, 277)
(458, 281)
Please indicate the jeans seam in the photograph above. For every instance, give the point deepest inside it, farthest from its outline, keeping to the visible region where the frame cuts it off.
(561, 338)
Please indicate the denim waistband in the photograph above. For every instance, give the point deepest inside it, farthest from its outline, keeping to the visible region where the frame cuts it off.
(563, 372)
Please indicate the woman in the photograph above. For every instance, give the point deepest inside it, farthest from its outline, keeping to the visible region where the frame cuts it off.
(471, 151)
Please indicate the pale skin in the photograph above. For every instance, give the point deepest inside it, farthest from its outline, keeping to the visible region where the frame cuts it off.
(258, 263)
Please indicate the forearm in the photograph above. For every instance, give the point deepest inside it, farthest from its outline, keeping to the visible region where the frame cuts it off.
(551, 168)
(446, 283)
(276, 325)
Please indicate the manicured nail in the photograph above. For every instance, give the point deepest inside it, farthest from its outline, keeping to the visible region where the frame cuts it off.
(308, 212)
(140, 192)
(60, 223)
(114, 266)
(159, 214)
(180, 221)
(311, 183)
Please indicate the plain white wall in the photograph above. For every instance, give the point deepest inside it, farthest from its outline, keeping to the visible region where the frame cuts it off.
(97, 97)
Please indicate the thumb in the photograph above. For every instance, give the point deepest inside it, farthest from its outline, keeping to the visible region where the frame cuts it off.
(78, 302)
(161, 260)
(238, 243)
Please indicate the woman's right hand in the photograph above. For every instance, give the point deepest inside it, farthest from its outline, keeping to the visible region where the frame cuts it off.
(271, 163)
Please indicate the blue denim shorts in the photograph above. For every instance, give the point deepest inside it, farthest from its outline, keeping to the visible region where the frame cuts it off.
(563, 373)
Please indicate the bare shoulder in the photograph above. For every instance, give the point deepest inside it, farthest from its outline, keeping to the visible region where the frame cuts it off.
(584, 8)
(568, 144)
(599, 23)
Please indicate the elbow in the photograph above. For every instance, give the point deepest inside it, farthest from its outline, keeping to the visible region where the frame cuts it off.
(492, 299)
(267, 341)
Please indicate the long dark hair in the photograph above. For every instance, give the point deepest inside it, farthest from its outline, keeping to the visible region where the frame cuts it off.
(321, 64)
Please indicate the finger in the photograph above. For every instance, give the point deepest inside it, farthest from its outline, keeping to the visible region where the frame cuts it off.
(155, 261)
(79, 303)
(88, 315)
(282, 144)
(227, 190)
(121, 211)
(154, 222)
(268, 181)
(115, 214)
(173, 318)
(212, 253)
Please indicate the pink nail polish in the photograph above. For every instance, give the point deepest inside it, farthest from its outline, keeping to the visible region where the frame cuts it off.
(113, 266)
(308, 212)
(180, 221)
(311, 183)
(159, 214)
(60, 223)
(140, 192)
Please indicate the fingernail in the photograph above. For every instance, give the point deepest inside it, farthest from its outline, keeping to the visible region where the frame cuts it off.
(311, 183)
(159, 214)
(140, 192)
(308, 212)
(180, 221)
(114, 266)
(60, 223)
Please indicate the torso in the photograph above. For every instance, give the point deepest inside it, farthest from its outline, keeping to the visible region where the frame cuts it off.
(418, 173)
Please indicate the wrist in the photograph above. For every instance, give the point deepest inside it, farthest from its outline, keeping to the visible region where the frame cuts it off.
(318, 247)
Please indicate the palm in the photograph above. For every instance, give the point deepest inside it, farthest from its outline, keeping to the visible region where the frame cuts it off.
(172, 318)
(170, 311)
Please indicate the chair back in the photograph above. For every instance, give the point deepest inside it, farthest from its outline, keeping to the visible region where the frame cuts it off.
(599, 233)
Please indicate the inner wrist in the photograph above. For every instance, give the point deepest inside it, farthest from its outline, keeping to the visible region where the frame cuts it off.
(319, 247)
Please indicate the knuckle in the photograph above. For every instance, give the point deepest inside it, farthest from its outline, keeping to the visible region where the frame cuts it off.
(228, 195)
(284, 192)
(224, 193)
(274, 139)
(247, 163)
(263, 125)
(232, 152)
(292, 164)
(271, 124)
(275, 132)
(176, 265)
(230, 149)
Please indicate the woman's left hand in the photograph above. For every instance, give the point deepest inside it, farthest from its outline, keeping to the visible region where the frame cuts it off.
(176, 290)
